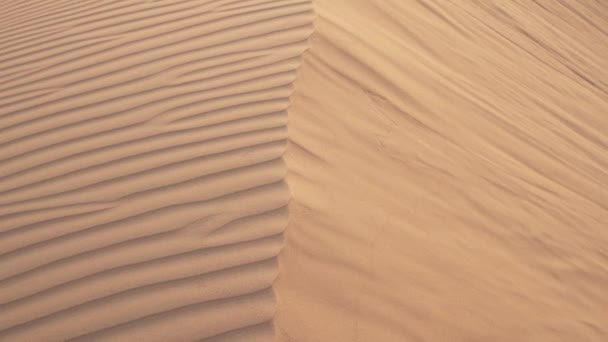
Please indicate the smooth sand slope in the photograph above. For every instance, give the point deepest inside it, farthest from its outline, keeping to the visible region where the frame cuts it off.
(449, 169)
(142, 192)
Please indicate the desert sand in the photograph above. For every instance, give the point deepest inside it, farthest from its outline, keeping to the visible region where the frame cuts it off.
(142, 191)
(449, 172)
(297, 170)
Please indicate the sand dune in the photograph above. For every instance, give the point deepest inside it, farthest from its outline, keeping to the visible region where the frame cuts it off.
(447, 168)
(449, 171)
(142, 191)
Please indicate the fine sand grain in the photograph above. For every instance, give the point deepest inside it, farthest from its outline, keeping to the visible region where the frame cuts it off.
(448, 163)
(142, 192)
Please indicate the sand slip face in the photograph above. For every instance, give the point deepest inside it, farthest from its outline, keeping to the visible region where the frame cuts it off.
(142, 192)
(449, 171)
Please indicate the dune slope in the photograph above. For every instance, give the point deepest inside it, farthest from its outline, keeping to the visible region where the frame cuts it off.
(142, 192)
(448, 162)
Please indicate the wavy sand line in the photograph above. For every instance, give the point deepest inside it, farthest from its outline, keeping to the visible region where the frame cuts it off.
(141, 175)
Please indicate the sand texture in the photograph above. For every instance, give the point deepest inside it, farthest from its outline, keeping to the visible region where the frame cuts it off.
(443, 175)
(448, 163)
(142, 186)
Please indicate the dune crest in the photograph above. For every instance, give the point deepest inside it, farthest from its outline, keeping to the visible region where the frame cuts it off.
(142, 190)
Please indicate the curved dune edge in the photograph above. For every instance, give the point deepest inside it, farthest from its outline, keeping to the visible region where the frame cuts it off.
(142, 186)
(448, 163)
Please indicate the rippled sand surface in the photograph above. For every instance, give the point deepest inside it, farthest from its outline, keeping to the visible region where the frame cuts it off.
(142, 189)
(440, 168)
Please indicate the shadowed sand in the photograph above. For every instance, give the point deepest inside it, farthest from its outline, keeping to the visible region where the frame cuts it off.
(448, 163)
(142, 192)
